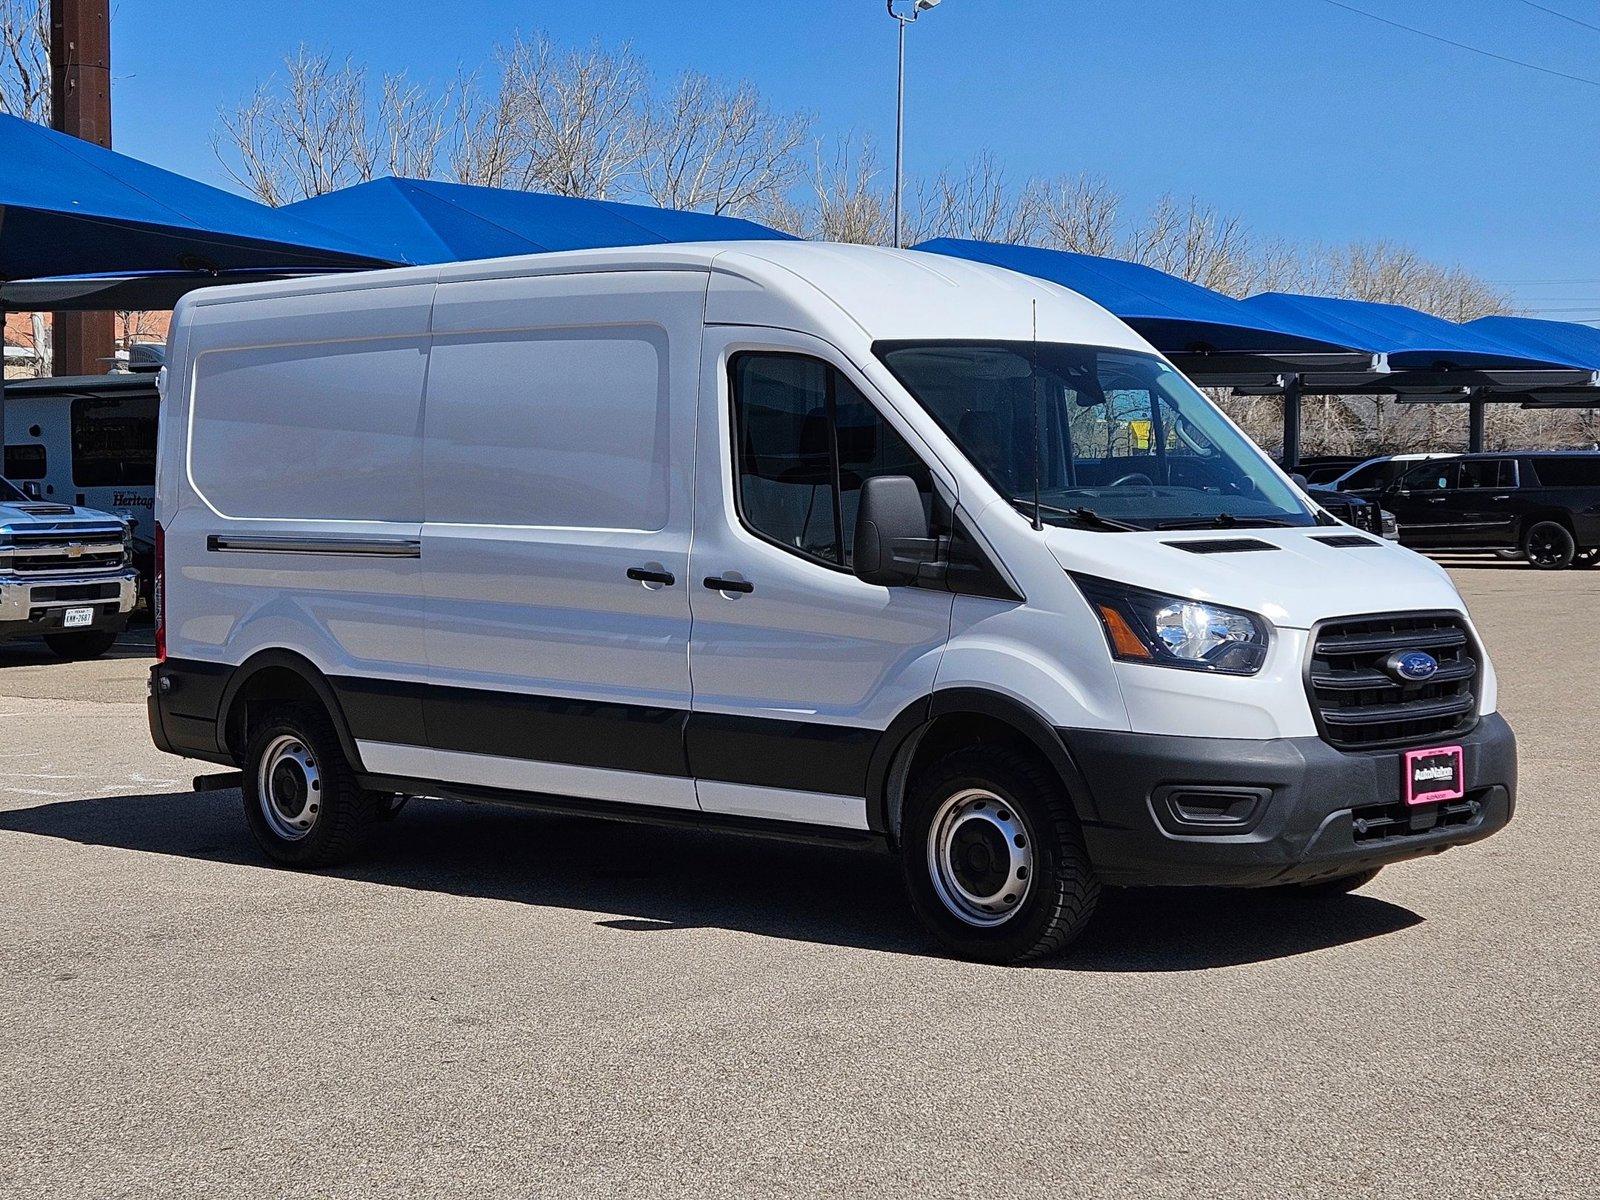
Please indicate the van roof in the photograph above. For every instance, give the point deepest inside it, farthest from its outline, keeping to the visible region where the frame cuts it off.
(885, 294)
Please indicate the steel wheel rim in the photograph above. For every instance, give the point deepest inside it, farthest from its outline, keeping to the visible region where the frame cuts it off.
(980, 858)
(289, 788)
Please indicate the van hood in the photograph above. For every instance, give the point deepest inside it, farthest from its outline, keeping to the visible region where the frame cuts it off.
(1286, 575)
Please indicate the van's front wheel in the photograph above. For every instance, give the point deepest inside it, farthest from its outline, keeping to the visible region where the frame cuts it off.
(993, 857)
(300, 795)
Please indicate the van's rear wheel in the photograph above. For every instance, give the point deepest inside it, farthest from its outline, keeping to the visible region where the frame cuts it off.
(1550, 546)
(79, 646)
(300, 795)
(993, 857)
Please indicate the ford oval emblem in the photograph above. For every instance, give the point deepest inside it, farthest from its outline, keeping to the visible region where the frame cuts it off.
(1412, 666)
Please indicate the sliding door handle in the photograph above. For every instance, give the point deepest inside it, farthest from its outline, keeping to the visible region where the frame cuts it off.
(717, 584)
(649, 575)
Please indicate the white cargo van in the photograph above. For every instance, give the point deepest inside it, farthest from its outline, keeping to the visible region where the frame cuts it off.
(793, 538)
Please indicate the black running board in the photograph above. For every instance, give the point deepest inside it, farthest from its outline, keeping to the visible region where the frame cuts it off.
(637, 814)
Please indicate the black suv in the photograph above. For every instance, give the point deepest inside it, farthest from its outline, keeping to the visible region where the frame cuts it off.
(1544, 506)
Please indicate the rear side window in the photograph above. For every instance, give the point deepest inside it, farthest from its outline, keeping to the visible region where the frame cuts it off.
(114, 441)
(1575, 471)
(25, 461)
(1488, 473)
(1432, 477)
(805, 440)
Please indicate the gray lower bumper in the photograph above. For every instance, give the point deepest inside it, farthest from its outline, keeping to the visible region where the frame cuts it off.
(1218, 811)
(35, 606)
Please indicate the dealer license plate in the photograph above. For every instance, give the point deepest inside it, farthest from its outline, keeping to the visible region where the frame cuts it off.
(1434, 775)
(77, 618)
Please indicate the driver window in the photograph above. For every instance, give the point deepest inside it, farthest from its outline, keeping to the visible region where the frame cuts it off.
(805, 439)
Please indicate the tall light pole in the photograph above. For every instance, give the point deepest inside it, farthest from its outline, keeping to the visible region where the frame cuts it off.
(918, 7)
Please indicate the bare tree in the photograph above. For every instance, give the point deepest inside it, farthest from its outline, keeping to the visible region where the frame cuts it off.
(975, 203)
(25, 59)
(580, 116)
(848, 203)
(321, 129)
(1078, 213)
(721, 149)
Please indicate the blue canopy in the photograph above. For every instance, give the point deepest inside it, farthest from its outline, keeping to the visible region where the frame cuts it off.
(69, 207)
(420, 221)
(1564, 339)
(1176, 316)
(1412, 340)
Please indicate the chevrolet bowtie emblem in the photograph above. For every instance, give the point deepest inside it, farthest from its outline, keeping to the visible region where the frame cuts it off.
(74, 549)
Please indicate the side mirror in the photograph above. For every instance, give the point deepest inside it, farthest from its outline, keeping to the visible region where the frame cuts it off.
(31, 490)
(892, 544)
(1300, 481)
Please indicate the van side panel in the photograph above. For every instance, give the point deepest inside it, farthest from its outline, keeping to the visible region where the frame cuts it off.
(560, 453)
(297, 517)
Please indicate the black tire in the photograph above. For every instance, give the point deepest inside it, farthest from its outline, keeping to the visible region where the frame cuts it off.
(1010, 794)
(1340, 886)
(337, 814)
(1549, 546)
(76, 647)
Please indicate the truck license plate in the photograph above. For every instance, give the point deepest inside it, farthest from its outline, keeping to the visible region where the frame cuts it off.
(76, 618)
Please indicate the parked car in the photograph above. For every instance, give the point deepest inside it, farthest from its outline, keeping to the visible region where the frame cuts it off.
(1370, 476)
(755, 536)
(66, 574)
(1322, 469)
(1352, 510)
(1544, 506)
(90, 441)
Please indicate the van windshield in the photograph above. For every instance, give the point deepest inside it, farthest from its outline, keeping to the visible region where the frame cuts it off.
(1124, 440)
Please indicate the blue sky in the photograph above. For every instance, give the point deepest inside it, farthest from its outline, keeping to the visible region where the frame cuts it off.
(1311, 122)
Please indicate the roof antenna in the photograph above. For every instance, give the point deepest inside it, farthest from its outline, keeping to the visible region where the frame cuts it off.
(1033, 371)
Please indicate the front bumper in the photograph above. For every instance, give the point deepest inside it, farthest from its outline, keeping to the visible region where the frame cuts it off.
(34, 606)
(1183, 811)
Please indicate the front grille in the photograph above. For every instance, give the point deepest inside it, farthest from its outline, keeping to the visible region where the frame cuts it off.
(41, 556)
(70, 592)
(1359, 705)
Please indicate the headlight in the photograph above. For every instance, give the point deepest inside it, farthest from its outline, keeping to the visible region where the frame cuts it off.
(1169, 631)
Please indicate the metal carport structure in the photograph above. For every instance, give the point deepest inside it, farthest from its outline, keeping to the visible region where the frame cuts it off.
(1297, 346)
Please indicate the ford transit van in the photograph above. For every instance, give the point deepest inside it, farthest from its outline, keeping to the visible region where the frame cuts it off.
(807, 540)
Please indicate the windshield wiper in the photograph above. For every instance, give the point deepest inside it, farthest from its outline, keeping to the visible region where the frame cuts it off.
(1227, 521)
(1087, 516)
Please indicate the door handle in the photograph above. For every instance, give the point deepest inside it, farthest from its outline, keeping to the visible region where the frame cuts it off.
(646, 575)
(1436, 499)
(717, 584)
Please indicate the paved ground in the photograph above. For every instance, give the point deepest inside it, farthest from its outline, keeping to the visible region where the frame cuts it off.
(502, 1003)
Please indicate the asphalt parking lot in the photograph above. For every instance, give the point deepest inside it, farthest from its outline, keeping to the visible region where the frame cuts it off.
(501, 1003)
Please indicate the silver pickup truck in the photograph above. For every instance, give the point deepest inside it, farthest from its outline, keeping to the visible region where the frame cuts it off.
(66, 574)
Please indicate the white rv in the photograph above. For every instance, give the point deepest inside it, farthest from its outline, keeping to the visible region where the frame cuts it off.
(815, 540)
